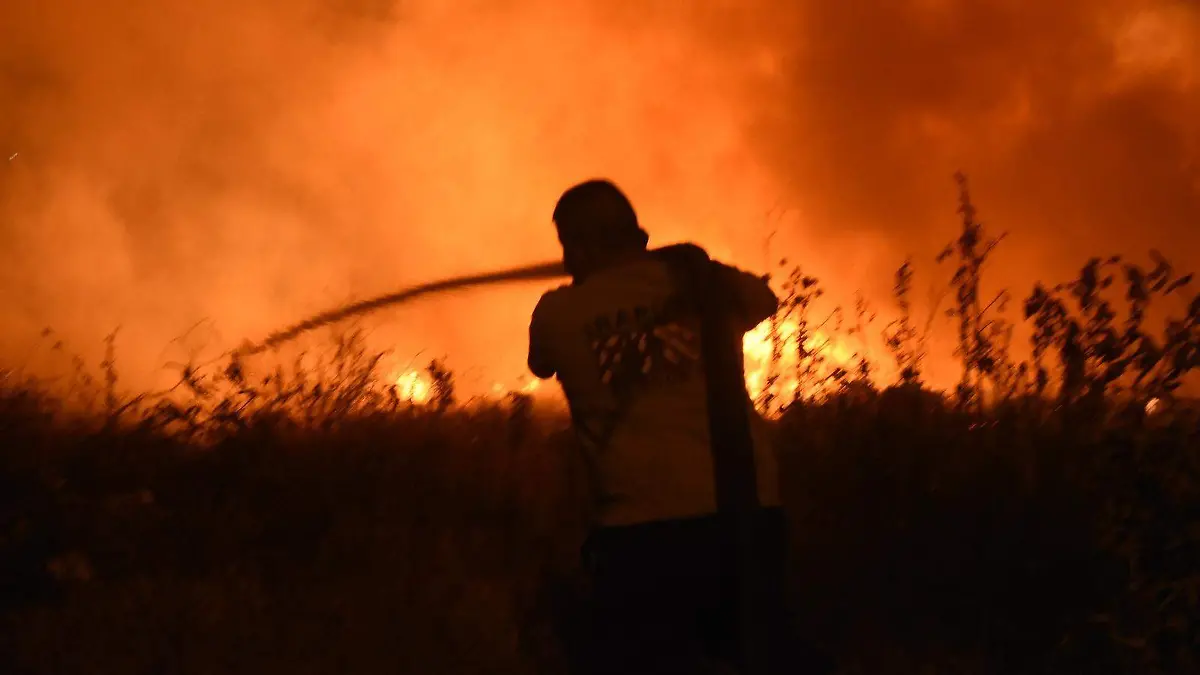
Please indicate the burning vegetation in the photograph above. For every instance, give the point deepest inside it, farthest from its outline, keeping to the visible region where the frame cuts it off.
(338, 513)
(999, 477)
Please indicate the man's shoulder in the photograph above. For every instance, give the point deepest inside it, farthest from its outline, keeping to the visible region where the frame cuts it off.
(612, 290)
(553, 302)
(556, 296)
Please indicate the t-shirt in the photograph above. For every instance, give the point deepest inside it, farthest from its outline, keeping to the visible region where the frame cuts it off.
(629, 364)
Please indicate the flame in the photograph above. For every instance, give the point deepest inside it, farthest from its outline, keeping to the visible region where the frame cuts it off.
(758, 348)
(414, 386)
(533, 386)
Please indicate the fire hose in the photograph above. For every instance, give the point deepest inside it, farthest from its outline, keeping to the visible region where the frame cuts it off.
(539, 272)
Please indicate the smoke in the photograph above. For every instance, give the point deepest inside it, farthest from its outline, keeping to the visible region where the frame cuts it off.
(1078, 122)
(254, 162)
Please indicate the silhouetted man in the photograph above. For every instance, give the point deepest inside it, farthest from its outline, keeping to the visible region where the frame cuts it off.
(624, 343)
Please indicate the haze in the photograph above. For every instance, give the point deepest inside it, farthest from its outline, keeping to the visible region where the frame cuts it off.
(252, 162)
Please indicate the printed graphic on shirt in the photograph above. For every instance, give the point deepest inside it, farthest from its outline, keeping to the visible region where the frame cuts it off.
(639, 347)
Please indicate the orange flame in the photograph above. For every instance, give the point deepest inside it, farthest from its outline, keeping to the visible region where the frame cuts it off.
(758, 347)
(416, 386)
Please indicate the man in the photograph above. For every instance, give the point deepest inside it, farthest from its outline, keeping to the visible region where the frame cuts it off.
(625, 346)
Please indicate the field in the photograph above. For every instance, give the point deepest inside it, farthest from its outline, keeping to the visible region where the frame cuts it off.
(1042, 517)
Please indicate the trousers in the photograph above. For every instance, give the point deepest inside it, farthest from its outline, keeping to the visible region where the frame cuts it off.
(666, 597)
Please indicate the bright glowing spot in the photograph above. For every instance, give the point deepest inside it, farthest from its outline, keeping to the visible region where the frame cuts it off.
(1153, 406)
(795, 375)
(531, 387)
(413, 386)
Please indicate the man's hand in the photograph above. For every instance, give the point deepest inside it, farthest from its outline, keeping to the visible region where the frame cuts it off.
(756, 301)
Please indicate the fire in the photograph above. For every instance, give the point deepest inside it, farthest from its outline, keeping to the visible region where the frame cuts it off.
(530, 388)
(417, 386)
(758, 348)
(414, 386)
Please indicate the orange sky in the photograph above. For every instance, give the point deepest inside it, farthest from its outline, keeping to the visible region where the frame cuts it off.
(252, 162)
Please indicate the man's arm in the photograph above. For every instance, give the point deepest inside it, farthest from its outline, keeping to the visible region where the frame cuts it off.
(756, 302)
(540, 360)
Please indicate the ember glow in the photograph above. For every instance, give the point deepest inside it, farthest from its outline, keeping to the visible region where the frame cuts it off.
(1153, 406)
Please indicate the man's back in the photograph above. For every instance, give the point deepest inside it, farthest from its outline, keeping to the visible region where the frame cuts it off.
(627, 353)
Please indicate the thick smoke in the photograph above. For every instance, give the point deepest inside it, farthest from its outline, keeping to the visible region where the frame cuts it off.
(254, 162)
(1079, 123)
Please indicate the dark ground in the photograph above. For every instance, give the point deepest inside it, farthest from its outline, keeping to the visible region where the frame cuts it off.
(925, 541)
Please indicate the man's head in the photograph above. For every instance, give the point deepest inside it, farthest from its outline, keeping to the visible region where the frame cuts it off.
(596, 227)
